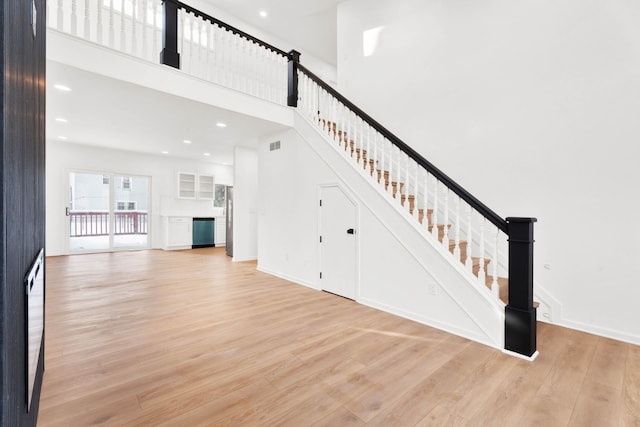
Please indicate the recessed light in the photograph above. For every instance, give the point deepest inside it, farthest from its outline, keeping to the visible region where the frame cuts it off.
(63, 137)
(62, 87)
(221, 125)
(186, 141)
(263, 13)
(207, 154)
(61, 120)
(164, 152)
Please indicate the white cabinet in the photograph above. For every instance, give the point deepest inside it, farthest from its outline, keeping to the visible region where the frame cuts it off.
(178, 232)
(186, 185)
(192, 185)
(221, 231)
(206, 187)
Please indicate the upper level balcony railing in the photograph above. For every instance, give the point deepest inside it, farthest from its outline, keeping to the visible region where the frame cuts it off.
(209, 49)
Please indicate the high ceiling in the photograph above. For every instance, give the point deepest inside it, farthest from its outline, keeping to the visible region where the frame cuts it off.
(309, 25)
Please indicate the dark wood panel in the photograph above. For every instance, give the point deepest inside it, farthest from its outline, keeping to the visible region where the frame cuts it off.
(22, 210)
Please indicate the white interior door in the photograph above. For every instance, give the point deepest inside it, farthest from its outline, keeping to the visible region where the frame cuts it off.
(338, 242)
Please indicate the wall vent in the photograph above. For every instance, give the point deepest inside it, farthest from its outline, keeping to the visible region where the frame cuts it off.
(274, 146)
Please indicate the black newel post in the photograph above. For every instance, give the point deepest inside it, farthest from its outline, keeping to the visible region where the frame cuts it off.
(520, 314)
(169, 55)
(292, 93)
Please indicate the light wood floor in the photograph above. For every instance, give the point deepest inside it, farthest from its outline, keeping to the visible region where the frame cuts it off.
(189, 338)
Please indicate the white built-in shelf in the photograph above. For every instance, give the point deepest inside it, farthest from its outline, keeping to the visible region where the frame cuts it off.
(206, 187)
(186, 185)
(196, 186)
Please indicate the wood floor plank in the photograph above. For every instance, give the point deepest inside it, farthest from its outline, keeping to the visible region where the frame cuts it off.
(597, 405)
(190, 338)
(442, 417)
(631, 389)
(608, 364)
(522, 384)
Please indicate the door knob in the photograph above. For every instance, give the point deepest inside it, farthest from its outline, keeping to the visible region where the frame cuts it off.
(351, 231)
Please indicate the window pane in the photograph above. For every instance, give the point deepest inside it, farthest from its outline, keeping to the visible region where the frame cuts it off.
(219, 200)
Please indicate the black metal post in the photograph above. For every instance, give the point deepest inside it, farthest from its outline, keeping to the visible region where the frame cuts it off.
(292, 93)
(169, 55)
(520, 314)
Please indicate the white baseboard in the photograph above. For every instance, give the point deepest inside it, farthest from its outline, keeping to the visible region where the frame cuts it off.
(235, 259)
(288, 277)
(597, 330)
(522, 356)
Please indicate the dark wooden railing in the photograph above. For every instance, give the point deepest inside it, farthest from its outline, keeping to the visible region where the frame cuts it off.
(90, 224)
(520, 314)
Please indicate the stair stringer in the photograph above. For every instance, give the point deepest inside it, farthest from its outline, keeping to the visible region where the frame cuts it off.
(483, 314)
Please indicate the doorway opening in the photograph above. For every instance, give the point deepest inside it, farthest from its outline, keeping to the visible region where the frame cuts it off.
(107, 212)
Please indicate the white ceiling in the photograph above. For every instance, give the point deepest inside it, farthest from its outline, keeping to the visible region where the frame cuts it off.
(310, 25)
(111, 113)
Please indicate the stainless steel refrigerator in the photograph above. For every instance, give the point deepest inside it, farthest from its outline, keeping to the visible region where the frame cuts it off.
(229, 239)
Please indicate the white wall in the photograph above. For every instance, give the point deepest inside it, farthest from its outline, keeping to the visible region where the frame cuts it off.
(400, 269)
(65, 157)
(533, 107)
(245, 200)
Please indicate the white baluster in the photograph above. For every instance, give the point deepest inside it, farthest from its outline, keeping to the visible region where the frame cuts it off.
(60, 15)
(228, 53)
(445, 238)
(153, 52)
(391, 170)
(495, 286)
(482, 275)
(456, 248)
(359, 144)
(349, 130)
(202, 46)
(468, 261)
(434, 214)
(416, 192)
(306, 87)
(240, 51)
(182, 29)
(215, 34)
(407, 192)
(87, 22)
(99, 26)
(74, 17)
(111, 25)
(375, 152)
(145, 16)
(134, 27)
(307, 91)
(381, 164)
(123, 37)
(193, 45)
(254, 62)
(425, 202)
(47, 14)
(210, 52)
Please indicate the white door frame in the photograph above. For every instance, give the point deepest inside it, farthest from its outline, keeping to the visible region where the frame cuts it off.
(66, 225)
(356, 205)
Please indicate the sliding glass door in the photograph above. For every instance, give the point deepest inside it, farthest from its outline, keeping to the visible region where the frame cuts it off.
(107, 212)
